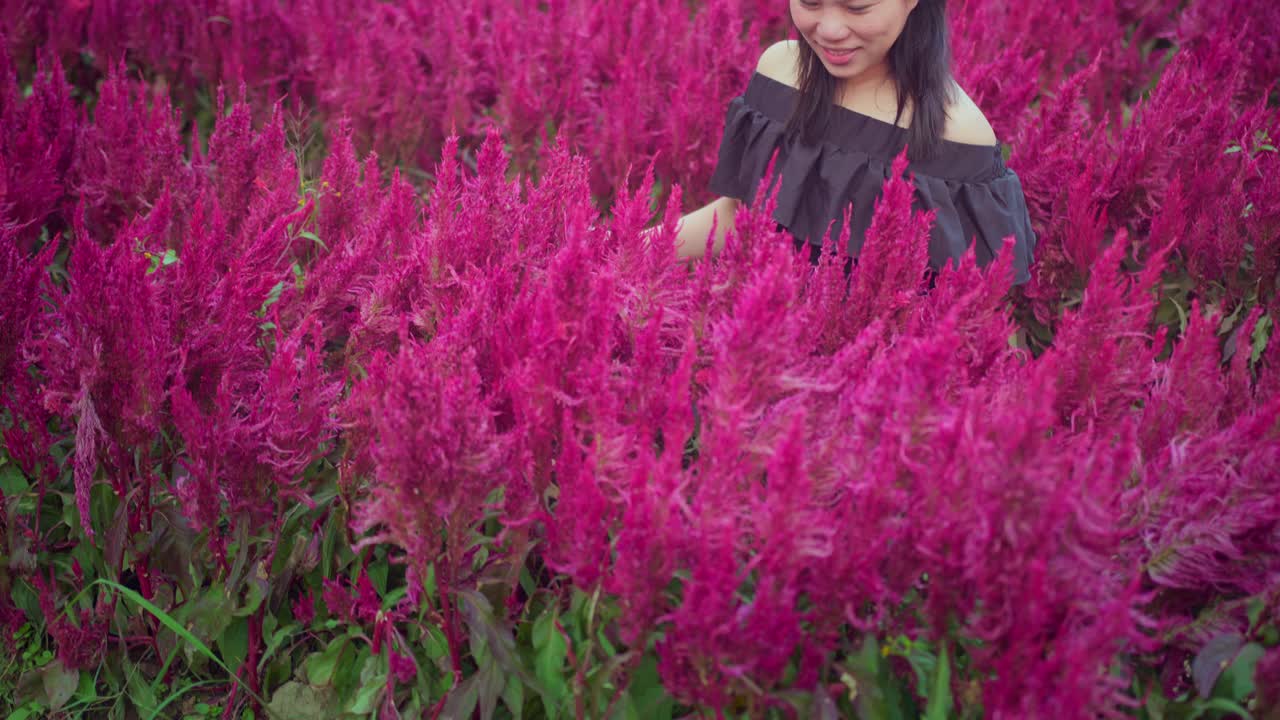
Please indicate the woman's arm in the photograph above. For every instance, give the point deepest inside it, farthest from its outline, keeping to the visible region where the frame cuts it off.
(694, 229)
(777, 61)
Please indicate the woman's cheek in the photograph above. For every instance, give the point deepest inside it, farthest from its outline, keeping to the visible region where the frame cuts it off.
(874, 33)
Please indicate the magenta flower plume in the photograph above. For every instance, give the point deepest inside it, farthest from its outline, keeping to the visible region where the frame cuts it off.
(1104, 354)
(22, 278)
(772, 478)
(248, 450)
(892, 263)
(81, 644)
(1207, 519)
(578, 528)
(37, 148)
(128, 155)
(433, 450)
(103, 354)
(251, 172)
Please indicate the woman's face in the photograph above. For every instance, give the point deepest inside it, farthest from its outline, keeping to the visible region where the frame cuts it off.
(868, 28)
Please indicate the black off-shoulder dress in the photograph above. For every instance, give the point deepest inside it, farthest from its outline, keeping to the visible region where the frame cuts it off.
(978, 199)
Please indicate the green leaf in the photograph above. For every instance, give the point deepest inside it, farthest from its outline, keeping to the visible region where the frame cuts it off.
(496, 634)
(177, 695)
(12, 481)
(1261, 332)
(30, 689)
(649, 698)
(461, 702)
(1213, 659)
(1254, 607)
(170, 257)
(550, 651)
(60, 683)
(349, 670)
(378, 576)
(320, 666)
(144, 699)
(1236, 682)
(333, 530)
(434, 644)
(255, 592)
(164, 618)
(87, 690)
(873, 688)
(22, 713)
(922, 659)
(1221, 705)
(313, 238)
(297, 701)
(939, 706)
(174, 626)
(103, 503)
(491, 683)
(429, 587)
(373, 680)
(272, 297)
(277, 639)
(207, 616)
(50, 686)
(234, 642)
(513, 697)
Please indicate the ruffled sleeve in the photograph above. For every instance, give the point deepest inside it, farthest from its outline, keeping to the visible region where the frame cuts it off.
(982, 212)
(979, 201)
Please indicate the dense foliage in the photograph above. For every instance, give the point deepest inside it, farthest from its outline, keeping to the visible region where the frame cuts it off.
(337, 378)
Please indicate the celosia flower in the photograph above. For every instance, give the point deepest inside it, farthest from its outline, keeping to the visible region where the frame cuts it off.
(433, 449)
(37, 148)
(127, 156)
(103, 354)
(80, 645)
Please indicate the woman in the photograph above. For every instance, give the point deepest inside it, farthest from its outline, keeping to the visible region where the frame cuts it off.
(865, 79)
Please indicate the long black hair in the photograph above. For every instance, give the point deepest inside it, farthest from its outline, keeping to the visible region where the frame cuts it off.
(920, 67)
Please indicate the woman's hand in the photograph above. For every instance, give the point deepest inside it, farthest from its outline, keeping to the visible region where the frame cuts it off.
(710, 222)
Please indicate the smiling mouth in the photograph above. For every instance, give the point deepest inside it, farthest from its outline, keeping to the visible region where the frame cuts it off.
(837, 57)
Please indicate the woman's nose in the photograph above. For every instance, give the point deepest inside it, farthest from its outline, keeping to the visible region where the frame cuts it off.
(830, 29)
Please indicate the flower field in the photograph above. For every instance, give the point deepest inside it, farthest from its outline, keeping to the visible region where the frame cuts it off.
(337, 379)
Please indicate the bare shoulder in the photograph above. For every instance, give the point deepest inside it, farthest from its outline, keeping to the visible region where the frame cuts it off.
(966, 123)
(779, 61)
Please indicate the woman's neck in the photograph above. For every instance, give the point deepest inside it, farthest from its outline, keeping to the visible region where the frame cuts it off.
(872, 88)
